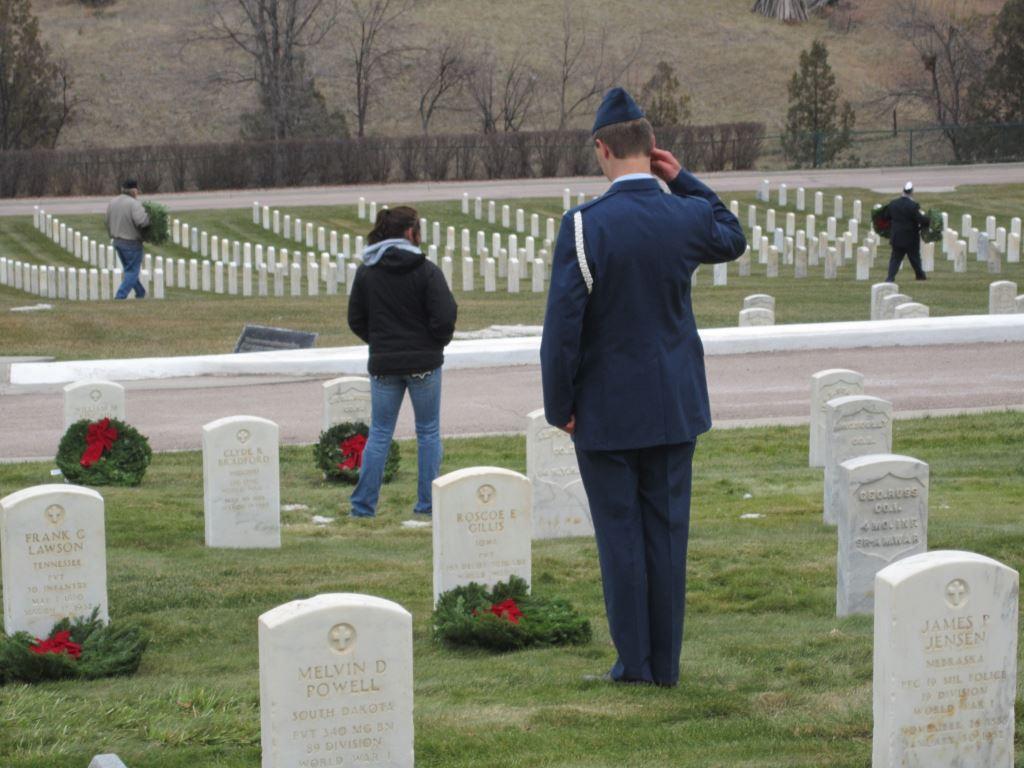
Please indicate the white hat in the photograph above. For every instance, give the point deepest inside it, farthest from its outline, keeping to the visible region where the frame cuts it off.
(908, 187)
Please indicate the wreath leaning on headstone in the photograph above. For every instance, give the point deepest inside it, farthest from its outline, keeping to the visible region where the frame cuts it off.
(339, 453)
(85, 649)
(105, 452)
(506, 618)
(881, 223)
(157, 232)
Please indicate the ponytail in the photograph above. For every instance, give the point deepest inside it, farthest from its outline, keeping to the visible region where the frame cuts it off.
(391, 223)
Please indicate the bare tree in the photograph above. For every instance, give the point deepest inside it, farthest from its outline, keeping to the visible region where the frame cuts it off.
(374, 48)
(502, 99)
(784, 10)
(518, 93)
(277, 36)
(441, 72)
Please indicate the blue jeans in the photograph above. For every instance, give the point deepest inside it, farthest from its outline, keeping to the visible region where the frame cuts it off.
(386, 393)
(130, 254)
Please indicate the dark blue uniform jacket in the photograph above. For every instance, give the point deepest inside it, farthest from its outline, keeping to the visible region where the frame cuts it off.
(626, 359)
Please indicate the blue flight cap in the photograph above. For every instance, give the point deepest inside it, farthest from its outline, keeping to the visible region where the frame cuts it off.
(617, 107)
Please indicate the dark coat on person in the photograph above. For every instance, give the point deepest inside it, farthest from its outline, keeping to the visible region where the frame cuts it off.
(626, 359)
(907, 221)
(402, 307)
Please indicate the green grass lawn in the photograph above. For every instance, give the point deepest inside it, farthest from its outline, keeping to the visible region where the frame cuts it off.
(769, 676)
(188, 322)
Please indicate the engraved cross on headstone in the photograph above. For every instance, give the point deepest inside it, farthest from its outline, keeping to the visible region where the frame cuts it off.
(956, 592)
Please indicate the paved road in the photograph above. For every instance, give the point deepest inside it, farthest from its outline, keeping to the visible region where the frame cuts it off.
(745, 390)
(926, 178)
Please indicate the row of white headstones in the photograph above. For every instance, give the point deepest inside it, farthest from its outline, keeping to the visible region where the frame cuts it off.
(336, 670)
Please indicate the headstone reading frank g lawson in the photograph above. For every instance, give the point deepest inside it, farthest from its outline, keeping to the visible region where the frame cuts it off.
(945, 662)
(560, 506)
(336, 683)
(346, 399)
(241, 483)
(855, 425)
(826, 385)
(262, 338)
(54, 555)
(93, 400)
(482, 527)
(883, 517)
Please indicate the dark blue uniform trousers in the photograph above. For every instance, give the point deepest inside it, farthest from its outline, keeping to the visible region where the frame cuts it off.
(640, 504)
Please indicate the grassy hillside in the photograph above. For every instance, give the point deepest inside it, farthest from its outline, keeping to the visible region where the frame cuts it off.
(140, 80)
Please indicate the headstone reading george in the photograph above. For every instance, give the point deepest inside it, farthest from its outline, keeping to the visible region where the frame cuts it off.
(346, 399)
(560, 506)
(827, 385)
(93, 400)
(855, 425)
(945, 662)
(241, 483)
(883, 517)
(482, 527)
(336, 684)
(54, 556)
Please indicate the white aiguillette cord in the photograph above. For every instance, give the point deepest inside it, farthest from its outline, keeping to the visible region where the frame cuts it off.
(581, 255)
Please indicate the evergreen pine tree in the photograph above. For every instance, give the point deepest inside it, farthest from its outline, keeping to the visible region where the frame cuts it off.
(817, 126)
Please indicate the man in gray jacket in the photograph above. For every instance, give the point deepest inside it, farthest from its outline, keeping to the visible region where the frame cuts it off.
(125, 217)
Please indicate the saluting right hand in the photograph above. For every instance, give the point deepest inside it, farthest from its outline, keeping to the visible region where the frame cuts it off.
(664, 165)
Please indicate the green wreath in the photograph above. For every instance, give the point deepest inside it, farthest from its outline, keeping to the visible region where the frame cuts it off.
(124, 462)
(339, 453)
(881, 223)
(84, 649)
(157, 232)
(506, 618)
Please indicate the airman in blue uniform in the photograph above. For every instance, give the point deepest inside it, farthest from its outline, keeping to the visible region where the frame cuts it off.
(623, 372)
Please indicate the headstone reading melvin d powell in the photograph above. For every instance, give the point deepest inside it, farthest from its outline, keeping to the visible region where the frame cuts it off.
(560, 506)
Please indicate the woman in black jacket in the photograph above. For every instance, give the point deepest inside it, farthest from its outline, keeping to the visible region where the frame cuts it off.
(402, 307)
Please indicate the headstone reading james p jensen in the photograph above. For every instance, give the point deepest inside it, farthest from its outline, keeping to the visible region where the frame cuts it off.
(262, 338)
(346, 399)
(482, 527)
(241, 483)
(855, 425)
(826, 385)
(560, 506)
(93, 400)
(945, 662)
(883, 517)
(54, 554)
(336, 683)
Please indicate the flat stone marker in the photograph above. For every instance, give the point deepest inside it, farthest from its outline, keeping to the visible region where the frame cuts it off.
(560, 505)
(93, 400)
(241, 483)
(878, 292)
(827, 385)
(945, 662)
(1002, 295)
(855, 425)
(482, 528)
(759, 301)
(262, 338)
(54, 555)
(346, 399)
(756, 316)
(336, 683)
(883, 517)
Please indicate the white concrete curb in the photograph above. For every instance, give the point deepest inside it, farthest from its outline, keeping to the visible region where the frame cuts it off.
(488, 353)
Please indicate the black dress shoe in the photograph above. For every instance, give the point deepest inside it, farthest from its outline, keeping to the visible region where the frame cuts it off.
(607, 678)
(922, 277)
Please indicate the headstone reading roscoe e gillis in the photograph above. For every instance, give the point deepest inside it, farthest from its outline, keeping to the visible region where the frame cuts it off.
(560, 506)
(855, 425)
(482, 527)
(93, 400)
(826, 385)
(54, 555)
(241, 483)
(883, 517)
(346, 399)
(336, 683)
(945, 662)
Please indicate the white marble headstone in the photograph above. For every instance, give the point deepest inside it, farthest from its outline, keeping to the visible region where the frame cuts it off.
(945, 662)
(1001, 297)
(878, 292)
(756, 316)
(759, 301)
(883, 517)
(826, 385)
(482, 527)
(336, 684)
(855, 425)
(346, 399)
(241, 483)
(560, 506)
(54, 555)
(93, 400)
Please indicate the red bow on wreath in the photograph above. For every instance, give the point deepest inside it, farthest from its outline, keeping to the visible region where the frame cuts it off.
(352, 452)
(507, 610)
(100, 437)
(59, 643)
